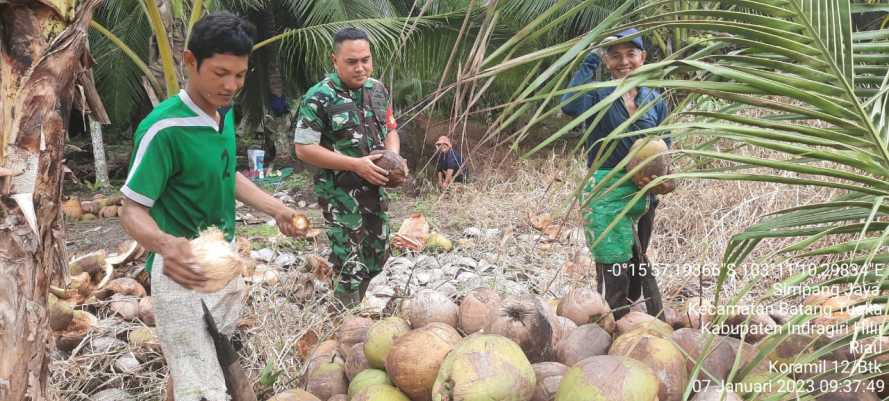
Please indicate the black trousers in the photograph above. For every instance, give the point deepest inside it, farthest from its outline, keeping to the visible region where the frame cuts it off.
(623, 284)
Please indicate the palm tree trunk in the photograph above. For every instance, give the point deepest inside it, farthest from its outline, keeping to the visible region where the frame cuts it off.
(44, 55)
(99, 153)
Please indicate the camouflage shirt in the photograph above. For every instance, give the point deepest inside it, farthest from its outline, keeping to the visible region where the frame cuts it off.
(346, 121)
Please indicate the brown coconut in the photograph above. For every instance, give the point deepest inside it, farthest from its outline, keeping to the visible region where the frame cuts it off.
(327, 380)
(697, 312)
(324, 352)
(546, 388)
(416, 356)
(295, 394)
(662, 356)
(356, 362)
(146, 311)
(659, 166)
(485, 367)
(635, 320)
(583, 342)
(673, 318)
(523, 320)
(125, 306)
(715, 393)
(80, 325)
(720, 355)
(394, 164)
(380, 337)
(585, 305)
(549, 376)
(562, 327)
(219, 261)
(428, 306)
(617, 378)
(351, 332)
(753, 329)
(475, 309)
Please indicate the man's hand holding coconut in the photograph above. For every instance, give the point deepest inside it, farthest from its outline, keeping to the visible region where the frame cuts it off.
(624, 276)
(179, 204)
(346, 127)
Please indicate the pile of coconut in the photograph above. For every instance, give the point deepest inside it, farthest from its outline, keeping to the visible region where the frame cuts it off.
(100, 206)
(489, 346)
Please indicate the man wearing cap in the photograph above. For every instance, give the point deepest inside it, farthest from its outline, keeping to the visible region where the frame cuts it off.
(623, 275)
(450, 163)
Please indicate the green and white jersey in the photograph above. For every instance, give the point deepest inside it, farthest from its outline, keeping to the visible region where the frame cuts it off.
(183, 169)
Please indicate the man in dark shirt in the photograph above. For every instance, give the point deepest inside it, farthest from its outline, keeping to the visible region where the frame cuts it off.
(450, 163)
(619, 256)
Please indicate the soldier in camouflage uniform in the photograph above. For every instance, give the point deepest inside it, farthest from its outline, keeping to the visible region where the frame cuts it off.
(340, 121)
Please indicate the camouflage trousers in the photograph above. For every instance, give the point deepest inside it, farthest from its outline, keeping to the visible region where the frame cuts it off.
(358, 230)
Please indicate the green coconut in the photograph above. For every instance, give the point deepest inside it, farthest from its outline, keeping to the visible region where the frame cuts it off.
(438, 243)
(366, 379)
(294, 395)
(608, 378)
(380, 337)
(380, 392)
(485, 367)
(663, 357)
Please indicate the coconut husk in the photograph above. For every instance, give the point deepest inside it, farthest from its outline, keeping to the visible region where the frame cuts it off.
(219, 261)
(523, 320)
(77, 329)
(61, 314)
(412, 234)
(144, 339)
(394, 165)
(475, 309)
(429, 306)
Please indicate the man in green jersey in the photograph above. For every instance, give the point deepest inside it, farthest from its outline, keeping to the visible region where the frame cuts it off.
(182, 180)
(340, 121)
